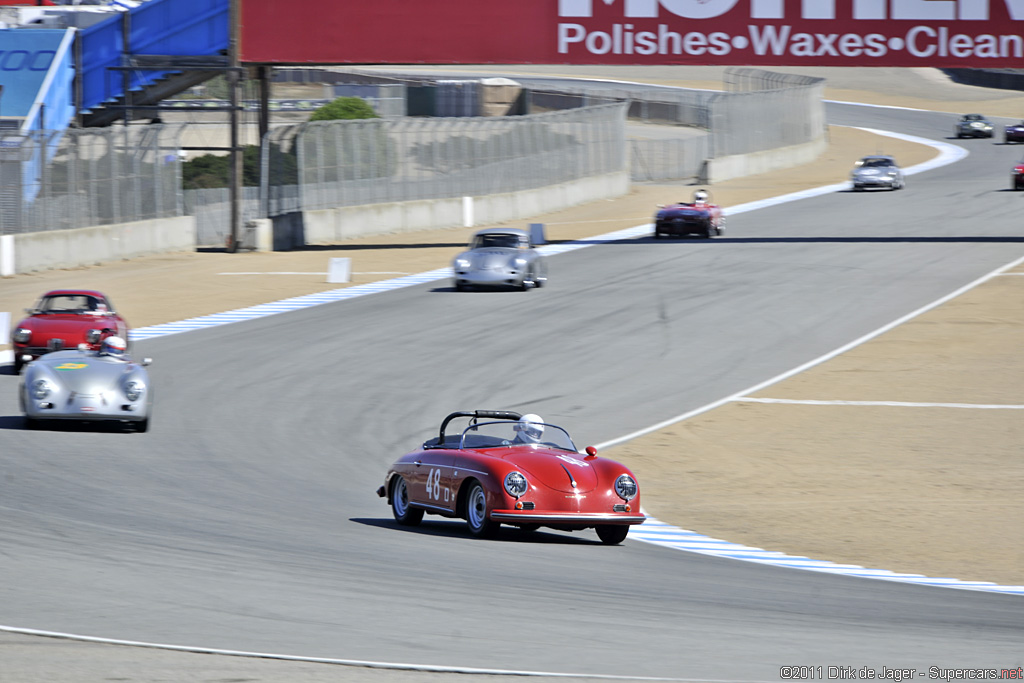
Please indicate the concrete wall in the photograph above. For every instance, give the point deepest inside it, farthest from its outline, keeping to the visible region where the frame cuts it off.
(330, 226)
(34, 251)
(742, 165)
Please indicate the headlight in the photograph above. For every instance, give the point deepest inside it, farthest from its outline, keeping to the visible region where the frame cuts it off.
(41, 389)
(21, 335)
(520, 262)
(516, 484)
(462, 263)
(133, 390)
(625, 487)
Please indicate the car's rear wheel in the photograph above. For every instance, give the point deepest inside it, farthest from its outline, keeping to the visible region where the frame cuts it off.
(477, 514)
(612, 534)
(405, 513)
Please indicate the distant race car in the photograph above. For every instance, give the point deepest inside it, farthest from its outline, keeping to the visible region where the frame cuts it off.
(1013, 133)
(500, 257)
(85, 385)
(506, 468)
(64, 319)
(1017, 176)
(699, 217)
(974, 126)
(877, 171)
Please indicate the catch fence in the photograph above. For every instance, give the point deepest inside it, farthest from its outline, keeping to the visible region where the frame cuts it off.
(123, 174)
(328, 164)
(75, 178)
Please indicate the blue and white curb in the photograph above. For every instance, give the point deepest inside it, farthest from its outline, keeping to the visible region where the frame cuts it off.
(665, 535)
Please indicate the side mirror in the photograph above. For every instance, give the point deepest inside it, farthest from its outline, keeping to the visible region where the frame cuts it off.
(93, 336)
(591, 452)
(146, 361)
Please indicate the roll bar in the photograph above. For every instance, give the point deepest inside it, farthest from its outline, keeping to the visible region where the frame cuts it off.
(476, 414)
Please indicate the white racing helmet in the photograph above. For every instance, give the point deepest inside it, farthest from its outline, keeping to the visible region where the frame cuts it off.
(530, 427)
(113, 346)
(700, 196)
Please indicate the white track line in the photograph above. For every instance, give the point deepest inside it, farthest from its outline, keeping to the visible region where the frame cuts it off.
(892, 404)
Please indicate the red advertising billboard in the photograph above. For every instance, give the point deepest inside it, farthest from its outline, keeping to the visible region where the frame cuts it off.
(904, 33)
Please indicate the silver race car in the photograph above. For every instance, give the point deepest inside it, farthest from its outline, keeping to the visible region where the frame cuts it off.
(973, 126)
(500, 257)
(85, 385)
(877, 170)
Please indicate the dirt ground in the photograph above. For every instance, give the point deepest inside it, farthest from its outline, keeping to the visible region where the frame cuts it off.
(931, 490)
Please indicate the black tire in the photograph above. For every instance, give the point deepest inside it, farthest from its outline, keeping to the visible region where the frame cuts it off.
(477, 515)
(405, 514)
(528, 528)
(142, 426)
(460, 287)
(18, 364)
(32, 423)
(612, 534)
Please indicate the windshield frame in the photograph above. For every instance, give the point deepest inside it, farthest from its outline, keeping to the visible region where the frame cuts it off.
(556, 438)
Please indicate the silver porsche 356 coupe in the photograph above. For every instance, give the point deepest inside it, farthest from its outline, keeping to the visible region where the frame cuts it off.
(86, 385)
(500, 257)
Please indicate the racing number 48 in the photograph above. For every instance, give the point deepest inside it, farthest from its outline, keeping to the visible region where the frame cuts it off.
(434, 485)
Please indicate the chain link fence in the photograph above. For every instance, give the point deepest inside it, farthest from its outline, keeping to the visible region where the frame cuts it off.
(763, 110)
(347, 163)
(122, 174)
(55, 180)
(759, 110)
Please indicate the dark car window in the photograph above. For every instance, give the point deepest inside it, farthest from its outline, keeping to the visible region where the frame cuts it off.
(495, 241)
(876, 163)
(68, 303)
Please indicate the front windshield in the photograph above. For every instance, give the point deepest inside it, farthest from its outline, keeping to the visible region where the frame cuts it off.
(875, 163)
(68, 303)
(972, 117)
(505, 433)
(495, 241)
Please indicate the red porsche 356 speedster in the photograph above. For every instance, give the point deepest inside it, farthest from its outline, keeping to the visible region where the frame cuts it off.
(699, 217)
(507, 468)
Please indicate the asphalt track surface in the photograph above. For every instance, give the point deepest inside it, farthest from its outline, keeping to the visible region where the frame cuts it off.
(246, 520)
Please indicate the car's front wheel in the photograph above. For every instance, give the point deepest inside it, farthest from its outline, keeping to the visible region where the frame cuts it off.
(612, 534)
(477, 514)
(405, 513)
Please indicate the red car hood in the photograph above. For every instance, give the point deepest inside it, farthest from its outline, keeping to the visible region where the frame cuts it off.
(69, 327)
(554, 468)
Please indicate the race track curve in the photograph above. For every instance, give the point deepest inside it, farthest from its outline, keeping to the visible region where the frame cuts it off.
(246, 519)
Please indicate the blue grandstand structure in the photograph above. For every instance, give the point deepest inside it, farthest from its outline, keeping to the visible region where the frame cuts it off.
(89, 66)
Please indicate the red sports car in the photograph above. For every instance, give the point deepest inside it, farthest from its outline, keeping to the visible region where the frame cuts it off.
(699, 217)
(507, 468)
(65, 319)
(1017, 176)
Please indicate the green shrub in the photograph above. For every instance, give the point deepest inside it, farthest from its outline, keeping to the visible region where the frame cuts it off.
(344, 108)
